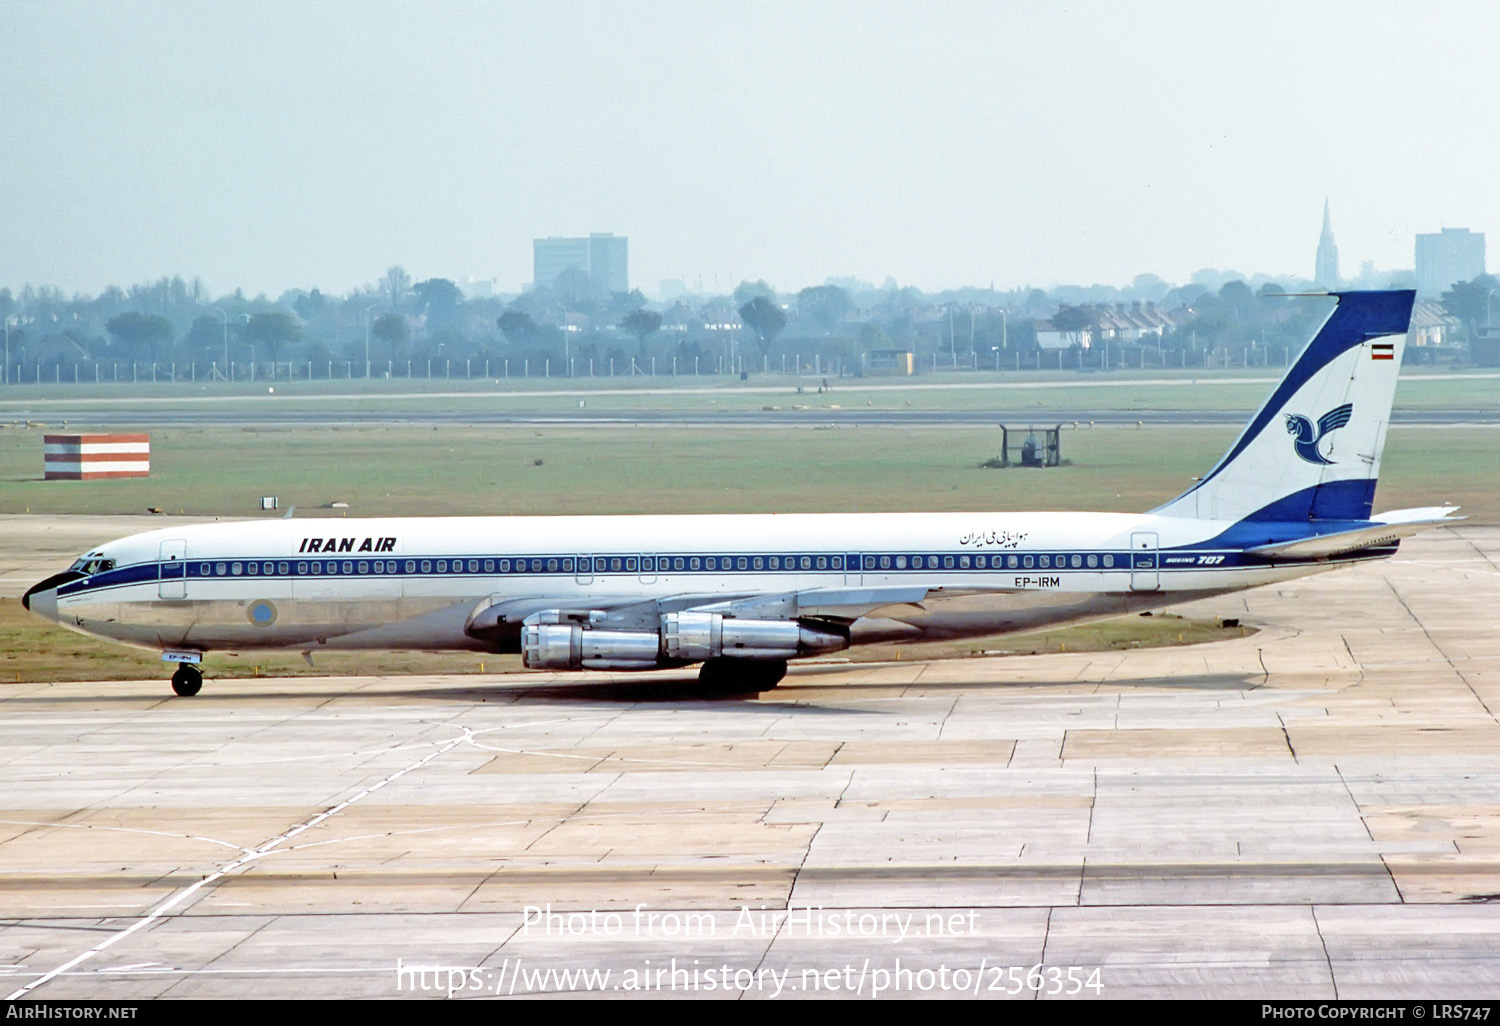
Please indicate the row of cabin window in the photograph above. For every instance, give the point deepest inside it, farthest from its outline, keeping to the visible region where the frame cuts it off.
(601, 564)
(649, 564)
(1045, 562)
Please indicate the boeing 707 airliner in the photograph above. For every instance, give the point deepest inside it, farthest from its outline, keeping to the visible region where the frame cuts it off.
(742, 595)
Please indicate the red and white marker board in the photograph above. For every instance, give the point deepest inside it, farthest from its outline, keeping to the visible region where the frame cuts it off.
(89, 457)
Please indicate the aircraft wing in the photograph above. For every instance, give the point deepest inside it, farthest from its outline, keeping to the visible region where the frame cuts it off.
(501, 616)
(1385, 528)
(839, 603)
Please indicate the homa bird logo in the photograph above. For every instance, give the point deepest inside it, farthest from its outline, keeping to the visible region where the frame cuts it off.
(1306, 442)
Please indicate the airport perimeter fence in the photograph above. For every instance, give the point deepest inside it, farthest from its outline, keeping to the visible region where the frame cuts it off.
(478, 369)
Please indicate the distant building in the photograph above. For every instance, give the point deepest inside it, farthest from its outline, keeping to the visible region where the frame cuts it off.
(1326, 272)
(1050, 336)
(600, 259)
(477, 288)
(1432, 325)
(899, 362)
(1452, 255)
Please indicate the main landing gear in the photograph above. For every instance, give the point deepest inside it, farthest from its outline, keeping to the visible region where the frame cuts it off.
(188, 680)
(741, 676)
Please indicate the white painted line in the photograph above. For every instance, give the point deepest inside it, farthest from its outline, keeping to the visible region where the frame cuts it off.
(267, 848)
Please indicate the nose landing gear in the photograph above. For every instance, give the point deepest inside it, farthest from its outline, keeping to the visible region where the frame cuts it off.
(188, 680)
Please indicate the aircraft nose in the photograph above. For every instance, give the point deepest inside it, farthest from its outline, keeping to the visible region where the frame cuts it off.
(41, 598)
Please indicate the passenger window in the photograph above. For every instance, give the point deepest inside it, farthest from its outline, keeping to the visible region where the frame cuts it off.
(838, 562)
(1093, 561)
(551, 566)
(203, 569)
(426, 566)
(489, 566)
(901, 563)
(283, 568)
(822, 562)
(617, 564)
(885, 562)
(348, 568)
(693, 563)
(963, 562)
(807, 562)
(364, 567)
(567, 566)
(947, 562)
(1044, 562)
(1077, 561)
(1109, 560)
(251, 569)
(536, 566)
(981, 562)
(677, 563)
(742, 563)
(505, 566)
(234, 569)
(473, 566)
(710, 563)
(1027, 562)
(442, 566)
(301, 568)
(757, 563)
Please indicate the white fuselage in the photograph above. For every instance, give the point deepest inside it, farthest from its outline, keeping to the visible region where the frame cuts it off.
(426, 583)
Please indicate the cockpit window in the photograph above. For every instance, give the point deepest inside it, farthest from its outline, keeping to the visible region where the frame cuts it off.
(90, 565)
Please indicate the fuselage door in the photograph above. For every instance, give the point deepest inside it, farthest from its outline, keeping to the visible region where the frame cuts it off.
(1144, 575)
(172, 570)
(852, 572)
(648, 569)
(585, 572)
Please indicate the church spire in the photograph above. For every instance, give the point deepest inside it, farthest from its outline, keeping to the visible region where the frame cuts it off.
(1326, 273)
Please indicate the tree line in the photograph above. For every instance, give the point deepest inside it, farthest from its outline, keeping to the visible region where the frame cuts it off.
(399, 319)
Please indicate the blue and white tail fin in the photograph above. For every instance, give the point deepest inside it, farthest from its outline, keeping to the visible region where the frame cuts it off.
(1312, 452)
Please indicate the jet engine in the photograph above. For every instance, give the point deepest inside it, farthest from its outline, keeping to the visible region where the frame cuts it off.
(682, 638)
(696, 637)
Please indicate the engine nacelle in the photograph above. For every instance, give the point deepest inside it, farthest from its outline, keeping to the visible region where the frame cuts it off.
(567, 646)
(695, 637)
(555, 640)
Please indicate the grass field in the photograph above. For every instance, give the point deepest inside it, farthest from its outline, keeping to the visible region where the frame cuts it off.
(403, 470)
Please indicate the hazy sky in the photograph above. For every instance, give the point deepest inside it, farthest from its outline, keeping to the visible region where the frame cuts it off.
(271, 145)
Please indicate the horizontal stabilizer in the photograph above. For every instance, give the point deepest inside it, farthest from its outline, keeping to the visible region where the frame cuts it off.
(1388, 527)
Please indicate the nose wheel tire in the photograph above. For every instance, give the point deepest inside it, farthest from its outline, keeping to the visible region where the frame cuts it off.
(188, 680)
